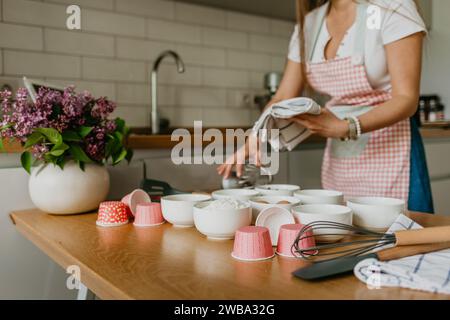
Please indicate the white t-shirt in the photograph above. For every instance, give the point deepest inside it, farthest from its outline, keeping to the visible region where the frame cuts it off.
(399, 19)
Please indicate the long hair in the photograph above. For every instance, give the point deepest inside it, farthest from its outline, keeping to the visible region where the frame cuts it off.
(303, 8)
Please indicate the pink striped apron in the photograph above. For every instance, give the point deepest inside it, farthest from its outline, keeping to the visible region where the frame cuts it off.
(377, 164)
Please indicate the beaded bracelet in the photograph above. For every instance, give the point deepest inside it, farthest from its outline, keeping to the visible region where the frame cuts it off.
(358, 126)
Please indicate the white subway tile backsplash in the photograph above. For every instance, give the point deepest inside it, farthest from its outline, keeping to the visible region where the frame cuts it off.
(246, 22)
(75, 42)
(109, 69)
(278, 63)
(240, 98)
(230, 116)
(214, 57)
(226, 78)
(181, 117)
(199, 15)
(133, 93)
(169, 75)
(257, 80)
(151, 8)
(200, 97)
(134, 116)
(41, 65)
(269, 44)
(225, 38)
(98, 89)
(141, 49)
(98, 4)
(33, 12)
(281, 28)
(173, 31)
(140, 94)
(226, 55)
(248, 60)
(20, 37)
(112, 23)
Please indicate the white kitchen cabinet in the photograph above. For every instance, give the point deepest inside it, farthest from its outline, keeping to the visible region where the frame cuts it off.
(25, 271)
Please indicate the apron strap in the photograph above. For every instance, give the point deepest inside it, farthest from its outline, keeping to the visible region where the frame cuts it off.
(317, 28)
(360, 34)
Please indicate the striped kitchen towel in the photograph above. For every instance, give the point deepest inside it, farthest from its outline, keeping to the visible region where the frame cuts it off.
(277, 116)
(426, 272)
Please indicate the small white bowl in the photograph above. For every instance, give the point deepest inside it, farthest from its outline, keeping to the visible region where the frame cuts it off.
(308, 213)
(178, 208)
(257, 206)
(220, 224)
(376, 213)
(319, 196)
(277, 189)
(237, 194)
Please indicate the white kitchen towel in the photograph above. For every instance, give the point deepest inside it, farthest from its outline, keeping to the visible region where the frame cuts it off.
(278, 115)
(426, 272)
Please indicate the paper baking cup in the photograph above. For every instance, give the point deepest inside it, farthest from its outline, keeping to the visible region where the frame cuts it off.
(134, 198)
(252, 244)
(148, 215)
(112, 214)
(287, 236)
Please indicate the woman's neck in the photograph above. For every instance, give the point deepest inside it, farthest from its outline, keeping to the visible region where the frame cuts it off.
(341, 5)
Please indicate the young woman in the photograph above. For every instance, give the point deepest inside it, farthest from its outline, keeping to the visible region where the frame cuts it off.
(365, 55)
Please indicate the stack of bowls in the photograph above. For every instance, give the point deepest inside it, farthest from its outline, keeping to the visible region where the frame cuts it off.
(260, 203)
(277, 189)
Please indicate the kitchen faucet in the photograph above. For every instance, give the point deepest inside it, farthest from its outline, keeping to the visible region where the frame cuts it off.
(180, 68)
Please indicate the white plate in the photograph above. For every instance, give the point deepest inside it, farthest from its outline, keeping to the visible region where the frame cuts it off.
(273, 218)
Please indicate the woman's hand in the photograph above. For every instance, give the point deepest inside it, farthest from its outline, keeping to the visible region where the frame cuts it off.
(249, 150)
(326, 124)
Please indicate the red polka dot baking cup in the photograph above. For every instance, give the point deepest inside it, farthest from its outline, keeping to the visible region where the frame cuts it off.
(111, 214)
(287, 236)
(134, 198)
(252, 244)
(148, 215)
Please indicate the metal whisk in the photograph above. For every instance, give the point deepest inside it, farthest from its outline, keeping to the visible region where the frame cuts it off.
(362, 240)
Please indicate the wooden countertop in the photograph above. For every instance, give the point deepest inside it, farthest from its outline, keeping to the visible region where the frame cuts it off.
(163, 141)
(171, 263)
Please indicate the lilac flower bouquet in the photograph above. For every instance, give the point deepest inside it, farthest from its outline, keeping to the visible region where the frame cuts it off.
(63, 126)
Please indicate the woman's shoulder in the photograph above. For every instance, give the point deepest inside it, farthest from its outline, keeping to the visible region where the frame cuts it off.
(408, 7)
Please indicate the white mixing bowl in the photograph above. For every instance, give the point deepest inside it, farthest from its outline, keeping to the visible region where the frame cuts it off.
(178, 208)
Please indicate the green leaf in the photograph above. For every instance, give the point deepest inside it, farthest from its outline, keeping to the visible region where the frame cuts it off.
(51, 134)
(120, 123)
(70, 135)
(109, 147)
(2, 148)
(119, 157)
(61, 162)
(81, 165)
(79, 154)
(58, 150)
(129, 156)
(33, 139)
(84, 131)
(26, 160)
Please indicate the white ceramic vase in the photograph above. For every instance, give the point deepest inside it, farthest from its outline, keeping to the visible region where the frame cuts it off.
(68, 191)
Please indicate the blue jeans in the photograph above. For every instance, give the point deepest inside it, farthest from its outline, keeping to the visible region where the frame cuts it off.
(420, 198)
